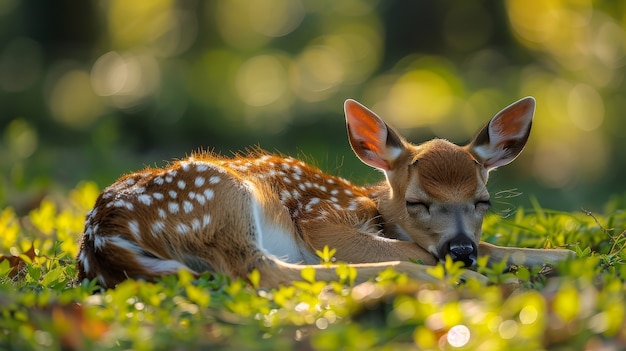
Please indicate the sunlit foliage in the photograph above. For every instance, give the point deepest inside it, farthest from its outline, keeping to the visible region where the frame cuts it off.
(583, 306)
(93, 90)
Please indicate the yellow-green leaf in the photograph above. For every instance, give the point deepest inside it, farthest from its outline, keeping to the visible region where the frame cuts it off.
(308, 274)
(255, 278)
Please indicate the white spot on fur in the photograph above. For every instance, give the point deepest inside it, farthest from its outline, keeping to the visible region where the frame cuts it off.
(201, 199)
(122, 203)
(158, 227)
(145, 199)
(199, 181)
(215, 179)
(99, 242)
(182, 228)
(161, 267)
(201, 167)
(195, 224)
(284, 196)
(208, 193)
(158, 181)
(169, 179)
(181, 184)
(124, 244)
(157, 196)
(172, 194)
(352, 206)
(133, 226)
(172, 207)
(162, 213)
(309, 206)
(83, 259)
(187, 206)
(88, 231)
(206, 219)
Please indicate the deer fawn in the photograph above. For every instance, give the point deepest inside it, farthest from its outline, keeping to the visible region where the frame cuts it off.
(271, 213)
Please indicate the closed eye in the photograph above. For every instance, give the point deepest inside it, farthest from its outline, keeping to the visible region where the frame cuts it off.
(416, 204)
(484, 203)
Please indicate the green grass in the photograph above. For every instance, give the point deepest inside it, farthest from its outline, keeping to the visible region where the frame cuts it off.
(582, 306)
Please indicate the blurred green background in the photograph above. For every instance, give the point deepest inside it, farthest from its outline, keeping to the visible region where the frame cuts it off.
(90, 90)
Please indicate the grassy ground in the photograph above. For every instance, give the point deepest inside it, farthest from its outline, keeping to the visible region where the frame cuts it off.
(583, 306)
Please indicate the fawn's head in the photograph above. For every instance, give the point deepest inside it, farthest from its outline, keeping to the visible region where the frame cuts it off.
(437, 194)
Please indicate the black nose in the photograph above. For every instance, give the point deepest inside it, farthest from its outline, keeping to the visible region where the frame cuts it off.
(463, 250)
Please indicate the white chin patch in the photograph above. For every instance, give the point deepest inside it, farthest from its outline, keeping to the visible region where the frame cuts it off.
(433, 250)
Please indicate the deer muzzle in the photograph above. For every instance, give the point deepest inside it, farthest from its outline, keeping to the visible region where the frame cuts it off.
(460, 249)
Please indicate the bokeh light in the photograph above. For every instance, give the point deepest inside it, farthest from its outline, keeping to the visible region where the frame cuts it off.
(161, 78)
(262, 80)
(458, 336)
(127, 79)
(72, 101)
(21, 138)
(248, 25)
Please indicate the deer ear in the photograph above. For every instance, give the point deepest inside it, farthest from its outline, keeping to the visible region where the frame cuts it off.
(372, 140)
(504, 137)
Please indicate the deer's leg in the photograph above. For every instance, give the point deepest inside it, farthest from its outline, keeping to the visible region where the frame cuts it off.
(354, 246)
(523, 256)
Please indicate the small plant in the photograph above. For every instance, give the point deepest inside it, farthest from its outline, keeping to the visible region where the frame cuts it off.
(580, 303)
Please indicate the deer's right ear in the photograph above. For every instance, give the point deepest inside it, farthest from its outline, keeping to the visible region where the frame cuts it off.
(372, 140)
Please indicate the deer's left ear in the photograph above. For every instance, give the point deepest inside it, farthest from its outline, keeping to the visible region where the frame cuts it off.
(372, 140)
(504, 137)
